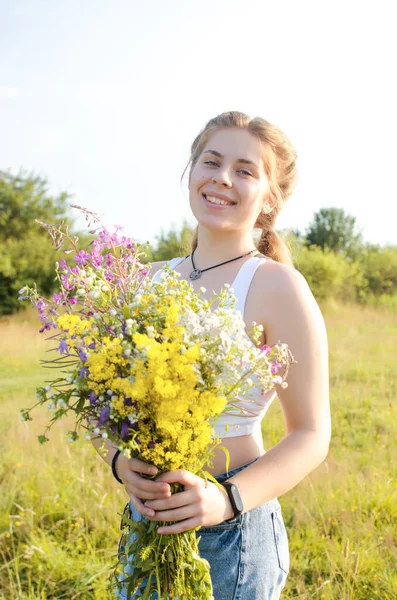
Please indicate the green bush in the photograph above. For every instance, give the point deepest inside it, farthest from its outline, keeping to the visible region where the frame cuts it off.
(379, 266)
(330, 275)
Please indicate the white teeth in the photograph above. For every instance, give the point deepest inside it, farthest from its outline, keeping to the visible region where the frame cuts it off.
(214, 200)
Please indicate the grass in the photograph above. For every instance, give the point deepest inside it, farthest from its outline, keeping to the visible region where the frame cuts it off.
(60, 506)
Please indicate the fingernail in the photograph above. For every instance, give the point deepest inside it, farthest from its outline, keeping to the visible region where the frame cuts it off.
(150, 513)
(152, 470)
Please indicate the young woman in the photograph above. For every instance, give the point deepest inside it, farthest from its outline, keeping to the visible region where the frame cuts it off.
(242, 170)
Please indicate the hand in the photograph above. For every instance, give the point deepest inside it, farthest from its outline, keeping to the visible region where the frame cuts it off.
(201, 504)
(139, 488)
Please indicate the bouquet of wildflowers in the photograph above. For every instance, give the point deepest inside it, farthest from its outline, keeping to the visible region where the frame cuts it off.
(149, 366)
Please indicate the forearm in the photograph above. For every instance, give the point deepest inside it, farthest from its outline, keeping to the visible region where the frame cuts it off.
(109, 446)
(281, 468)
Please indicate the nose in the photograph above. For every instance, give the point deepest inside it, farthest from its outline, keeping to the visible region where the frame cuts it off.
(222, 177)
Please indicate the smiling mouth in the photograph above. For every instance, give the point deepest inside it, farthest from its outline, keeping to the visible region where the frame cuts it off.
(217, 201)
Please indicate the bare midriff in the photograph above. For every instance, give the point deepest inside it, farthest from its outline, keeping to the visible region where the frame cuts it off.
(242, 449)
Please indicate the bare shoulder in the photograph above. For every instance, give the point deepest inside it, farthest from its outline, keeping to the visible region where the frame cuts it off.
(288, 306)
(282, 283)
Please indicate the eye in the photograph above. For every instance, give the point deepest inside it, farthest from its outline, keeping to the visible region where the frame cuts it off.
(211, 162)
(245, 172)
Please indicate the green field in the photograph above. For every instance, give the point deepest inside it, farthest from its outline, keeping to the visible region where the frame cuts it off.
(59, 504)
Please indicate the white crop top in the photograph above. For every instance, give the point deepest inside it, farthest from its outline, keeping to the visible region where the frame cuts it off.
(235, 424)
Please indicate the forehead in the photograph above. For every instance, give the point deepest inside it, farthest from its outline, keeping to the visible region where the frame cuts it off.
(235, 143)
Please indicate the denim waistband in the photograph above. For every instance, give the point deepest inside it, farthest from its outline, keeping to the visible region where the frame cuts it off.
(222, 477)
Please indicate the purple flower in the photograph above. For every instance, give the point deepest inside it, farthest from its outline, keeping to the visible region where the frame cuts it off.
(83, 355)
(62, 264)
(109, 259)
(93, 397)
(73, 300)
(84, 372)
(124, 431)
(104, 416)
(128, 402)
(266, 350)
(96, 259)
(58, 298)
(91, 346)
(151, 445)
(66, 284)
(41, 306)
(275, 367)
(63, 347)
(82, 257)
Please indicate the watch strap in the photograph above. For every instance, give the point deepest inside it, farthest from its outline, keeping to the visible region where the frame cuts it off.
(235, 499)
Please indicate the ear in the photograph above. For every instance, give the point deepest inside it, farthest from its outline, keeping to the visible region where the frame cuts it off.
(269, 204)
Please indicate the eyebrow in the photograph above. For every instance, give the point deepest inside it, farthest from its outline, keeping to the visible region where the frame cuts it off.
(245, 161)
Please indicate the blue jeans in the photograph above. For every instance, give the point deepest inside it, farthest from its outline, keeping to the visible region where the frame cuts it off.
(249, 557)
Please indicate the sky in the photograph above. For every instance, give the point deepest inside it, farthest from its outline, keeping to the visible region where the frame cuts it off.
(104, 98)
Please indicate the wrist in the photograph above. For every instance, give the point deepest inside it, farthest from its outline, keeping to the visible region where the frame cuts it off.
(228, 512)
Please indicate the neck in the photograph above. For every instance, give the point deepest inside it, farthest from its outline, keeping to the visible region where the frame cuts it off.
(216, 247)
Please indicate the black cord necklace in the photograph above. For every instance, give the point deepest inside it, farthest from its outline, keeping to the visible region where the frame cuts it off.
(196, 273)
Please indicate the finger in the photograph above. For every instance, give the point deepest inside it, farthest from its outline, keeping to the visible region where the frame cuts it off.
(177, 514)
(155, 488)
(143, 494)
(179, 476)
(174, 501)
(140, 466)
(140, 507)
(179, 527)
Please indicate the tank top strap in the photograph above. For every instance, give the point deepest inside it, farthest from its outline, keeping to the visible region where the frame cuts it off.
(243, 280)
(172, 263)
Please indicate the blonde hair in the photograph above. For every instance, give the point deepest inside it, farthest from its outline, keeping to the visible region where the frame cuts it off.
(279, 158)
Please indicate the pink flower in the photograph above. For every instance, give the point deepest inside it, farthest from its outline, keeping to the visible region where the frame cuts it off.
(82, 257)
(66, 284)
(266, 350)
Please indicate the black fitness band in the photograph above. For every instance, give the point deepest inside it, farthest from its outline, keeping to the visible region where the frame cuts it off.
(115, 457)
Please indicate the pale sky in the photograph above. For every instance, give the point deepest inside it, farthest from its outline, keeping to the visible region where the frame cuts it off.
(105, 97)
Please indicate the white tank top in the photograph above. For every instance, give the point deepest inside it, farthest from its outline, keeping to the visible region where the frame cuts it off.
(254, 401)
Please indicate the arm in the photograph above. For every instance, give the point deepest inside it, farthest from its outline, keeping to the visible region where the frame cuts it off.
(293, 316)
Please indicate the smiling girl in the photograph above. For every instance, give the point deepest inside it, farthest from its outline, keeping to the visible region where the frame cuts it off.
(242, 170)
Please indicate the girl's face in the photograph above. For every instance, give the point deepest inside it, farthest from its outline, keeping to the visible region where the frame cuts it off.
(228, 186)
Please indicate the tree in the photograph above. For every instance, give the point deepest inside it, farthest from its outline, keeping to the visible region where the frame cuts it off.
(333, 228)
(26, 253)
(173, 243)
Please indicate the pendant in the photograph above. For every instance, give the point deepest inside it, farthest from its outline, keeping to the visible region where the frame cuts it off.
(195, 274)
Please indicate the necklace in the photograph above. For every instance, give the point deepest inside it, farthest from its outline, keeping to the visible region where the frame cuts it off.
(196, 273)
